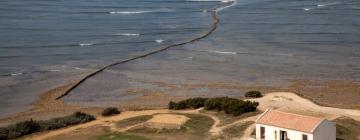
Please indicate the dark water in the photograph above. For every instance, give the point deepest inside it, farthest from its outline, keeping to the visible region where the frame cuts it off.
(266, 42)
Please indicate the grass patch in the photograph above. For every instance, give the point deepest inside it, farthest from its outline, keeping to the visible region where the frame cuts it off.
(198, 124)
(237, 130)
(133, 121)
(119, 136)
(228, 119)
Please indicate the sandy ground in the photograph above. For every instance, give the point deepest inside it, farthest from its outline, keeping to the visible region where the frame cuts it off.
(283, 101)
(172, 121)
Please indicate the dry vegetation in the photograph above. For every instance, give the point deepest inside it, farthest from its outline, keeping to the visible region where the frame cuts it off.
(196, 128)
(237, 130)
(226, 119)
(347, 128)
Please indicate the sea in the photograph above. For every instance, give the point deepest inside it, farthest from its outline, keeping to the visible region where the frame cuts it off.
(48, 43)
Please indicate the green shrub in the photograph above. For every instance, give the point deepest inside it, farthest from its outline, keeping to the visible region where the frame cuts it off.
(56, 123)
(228, 105)
(110, 111)
(3, 133)
(23, 128)
(188, 103)
(253, 94)
(195, 102)
(171, 105)
(31, 126)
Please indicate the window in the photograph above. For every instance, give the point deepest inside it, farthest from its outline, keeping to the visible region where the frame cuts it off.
(262, 132)
(304, 137)
(275, 135)
(283, 135)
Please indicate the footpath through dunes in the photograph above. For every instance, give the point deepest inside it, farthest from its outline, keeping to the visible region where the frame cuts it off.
(215, 21)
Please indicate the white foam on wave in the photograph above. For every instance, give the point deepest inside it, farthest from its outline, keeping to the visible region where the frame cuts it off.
(127, 34)
(320, 6)
(159, 41)
(128, 12)
(233, 2)
(327, 4)
(16, 74)
(85, 44)
(224, 1)
(307, 9)
(221, 52)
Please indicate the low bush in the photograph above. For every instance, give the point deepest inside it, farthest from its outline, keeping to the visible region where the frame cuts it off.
(110, 111)
(253, 94)
(188, 103)
(73, 119)
(23, 128)
(27, 127)
(228, 105)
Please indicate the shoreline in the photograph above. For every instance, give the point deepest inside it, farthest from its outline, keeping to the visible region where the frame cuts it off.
(48, 107)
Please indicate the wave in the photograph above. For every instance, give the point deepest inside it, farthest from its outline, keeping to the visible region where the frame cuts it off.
(221, 52)
(159, 41)
(307, 9)
(248, 53)
(229, 3)
(15, 74)
(129, 12)
(320, 6)
(327, 4)
(12, 74)
(224, 1)
(82, 45)
(127, 34)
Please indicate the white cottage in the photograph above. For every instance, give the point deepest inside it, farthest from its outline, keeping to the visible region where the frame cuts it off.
(277, 125)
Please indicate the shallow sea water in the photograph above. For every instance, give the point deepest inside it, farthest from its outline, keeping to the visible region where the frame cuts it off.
(257, 42)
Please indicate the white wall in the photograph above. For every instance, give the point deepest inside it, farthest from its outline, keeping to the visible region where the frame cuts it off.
(270, 133)
(326, 130)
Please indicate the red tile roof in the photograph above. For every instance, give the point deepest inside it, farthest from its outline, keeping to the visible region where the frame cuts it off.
(289, 121)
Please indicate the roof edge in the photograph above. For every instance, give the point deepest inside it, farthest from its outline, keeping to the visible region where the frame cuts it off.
(262, 115)
(287, 128)
(317, 125)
